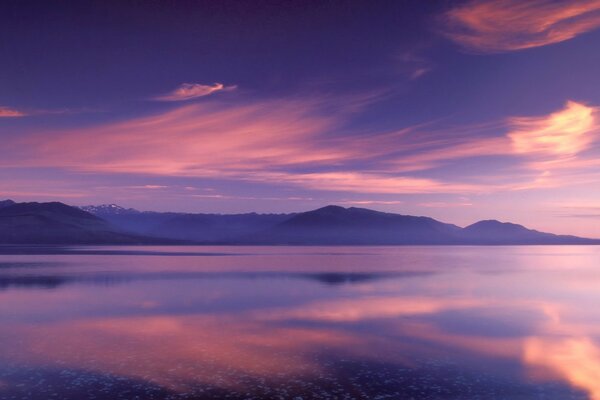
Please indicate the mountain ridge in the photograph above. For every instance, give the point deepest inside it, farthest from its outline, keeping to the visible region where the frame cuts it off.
(329, 225)
(108, 209)
(474, 234)
(58, 223)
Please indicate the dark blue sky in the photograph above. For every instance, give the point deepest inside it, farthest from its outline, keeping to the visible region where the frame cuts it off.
(459, 110)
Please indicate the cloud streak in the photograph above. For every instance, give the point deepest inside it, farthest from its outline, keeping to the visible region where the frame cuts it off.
(562, 133)
(304, 143)
(498, 26)
(189, 91)
(6, 112)
(283, 142)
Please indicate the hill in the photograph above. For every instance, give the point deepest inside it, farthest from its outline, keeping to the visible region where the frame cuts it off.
(495, 232)
(330, 225)
(339, 225)
(58, 223)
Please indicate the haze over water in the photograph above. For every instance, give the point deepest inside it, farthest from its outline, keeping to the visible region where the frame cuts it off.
(300, 322)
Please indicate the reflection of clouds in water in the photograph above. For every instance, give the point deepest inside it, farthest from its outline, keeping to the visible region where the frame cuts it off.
(352, 310)
(565, 348)
(193, 323)
(570, 357)
(199, 354)
(575, 359)
(174, 351)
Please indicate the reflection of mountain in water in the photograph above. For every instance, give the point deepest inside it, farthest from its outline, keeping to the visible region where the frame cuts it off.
(327, 278)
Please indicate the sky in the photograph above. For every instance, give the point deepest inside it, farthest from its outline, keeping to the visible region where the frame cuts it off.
(458, 110)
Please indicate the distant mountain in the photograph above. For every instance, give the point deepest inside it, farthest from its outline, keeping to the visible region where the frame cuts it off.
(109, 209)
(496, 232)
(330, 225)
(58, 223)
(216, 228)
(6, 203)
(339, 225)
(205, 228)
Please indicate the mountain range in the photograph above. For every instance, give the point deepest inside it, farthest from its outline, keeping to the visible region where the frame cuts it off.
(58, 223)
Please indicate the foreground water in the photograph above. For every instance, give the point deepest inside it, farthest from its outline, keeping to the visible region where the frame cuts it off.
(300, 322)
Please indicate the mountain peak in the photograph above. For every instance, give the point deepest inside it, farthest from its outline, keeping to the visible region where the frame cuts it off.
(109, 209)
(58, 223)
(6, 203)
(55, 207)
(493, 224)
(332, 208)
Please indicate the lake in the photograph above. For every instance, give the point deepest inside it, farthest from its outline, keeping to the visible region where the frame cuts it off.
(300, 322)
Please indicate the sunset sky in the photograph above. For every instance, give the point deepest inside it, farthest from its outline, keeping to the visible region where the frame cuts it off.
(459, 110)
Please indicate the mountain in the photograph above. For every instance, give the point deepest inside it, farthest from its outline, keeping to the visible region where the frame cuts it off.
(58, 223)
(216, 228)
(141, 222)
(204, 228)
(334, 225)
(330, 225)
(109, 209)
(339, 225)
(493, 232)
(6, 203)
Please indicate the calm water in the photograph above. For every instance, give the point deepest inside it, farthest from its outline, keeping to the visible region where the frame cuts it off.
(300, 323)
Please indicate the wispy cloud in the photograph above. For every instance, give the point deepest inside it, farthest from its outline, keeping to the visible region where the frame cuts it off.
(7, 112)
(149, 187)
(562, 146)
(188, 91)
(286, 142)
(295, 143)
(370, 182)
(413, 65)
(370, 202)
(496, 26)
(562, 133)
(445, 204)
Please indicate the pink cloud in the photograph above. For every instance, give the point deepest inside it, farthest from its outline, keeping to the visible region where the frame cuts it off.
(371, 182)
(496, 26)
(445, 204)
(562, 133)
(188, 91)
(370, 202)
(561, 145)
(289, 142)
(6, 112)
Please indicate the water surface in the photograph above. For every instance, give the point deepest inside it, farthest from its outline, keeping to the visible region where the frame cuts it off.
(300, 322)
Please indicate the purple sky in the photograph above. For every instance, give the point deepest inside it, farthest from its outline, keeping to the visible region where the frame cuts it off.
(457, 110)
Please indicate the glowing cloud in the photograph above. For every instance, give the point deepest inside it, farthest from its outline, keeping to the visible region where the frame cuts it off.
(188, 91)
(290, 142)
(498, 26)
(6, 112)
(563, 133)
(275, 141)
